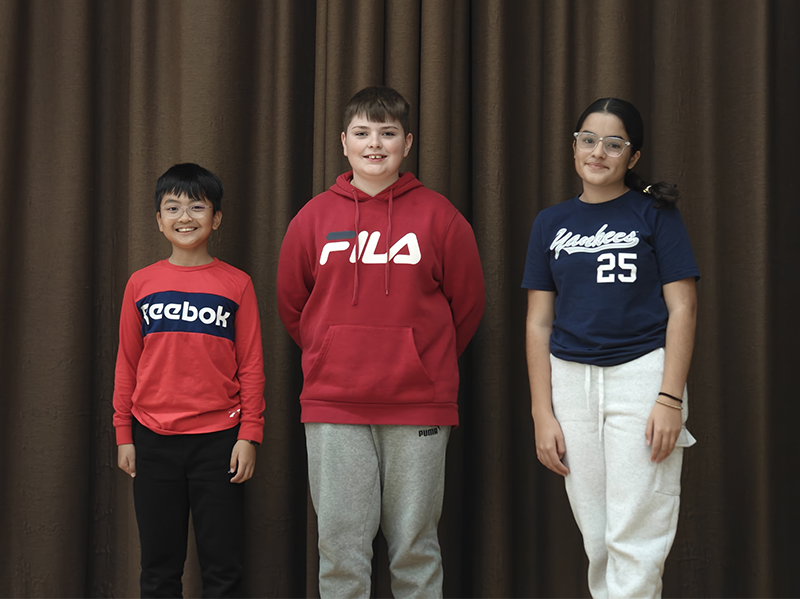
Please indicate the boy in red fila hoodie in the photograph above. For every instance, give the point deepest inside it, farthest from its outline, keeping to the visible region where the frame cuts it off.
(380, 284)
(189, 394)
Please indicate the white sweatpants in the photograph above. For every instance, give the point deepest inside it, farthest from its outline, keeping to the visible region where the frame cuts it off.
(625, 505)
(363, 476)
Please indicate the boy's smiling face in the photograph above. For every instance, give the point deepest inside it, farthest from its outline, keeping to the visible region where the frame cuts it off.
(375, 151)
(187, 223)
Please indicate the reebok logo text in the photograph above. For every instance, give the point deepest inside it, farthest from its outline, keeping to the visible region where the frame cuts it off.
(188, 313)
(179, 311)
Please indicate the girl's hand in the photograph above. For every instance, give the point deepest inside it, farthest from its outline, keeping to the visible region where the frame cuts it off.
(550, 447)
(663, 427)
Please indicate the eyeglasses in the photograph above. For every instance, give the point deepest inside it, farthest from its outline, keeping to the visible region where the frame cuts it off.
(194, 210)
(586, 142)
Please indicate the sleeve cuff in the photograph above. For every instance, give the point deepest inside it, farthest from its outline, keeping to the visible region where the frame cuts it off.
(124, 435)
(251, 432)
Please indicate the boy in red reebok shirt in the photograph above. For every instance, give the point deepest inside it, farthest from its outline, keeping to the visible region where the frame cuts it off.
(380, 284)
(188, 395)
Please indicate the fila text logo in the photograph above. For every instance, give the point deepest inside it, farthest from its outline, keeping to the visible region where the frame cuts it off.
(366, 246)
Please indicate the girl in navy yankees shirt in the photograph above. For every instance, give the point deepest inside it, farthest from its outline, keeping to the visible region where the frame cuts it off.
(610, 329)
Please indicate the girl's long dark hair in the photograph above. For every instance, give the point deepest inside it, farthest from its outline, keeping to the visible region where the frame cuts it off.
(664, 194)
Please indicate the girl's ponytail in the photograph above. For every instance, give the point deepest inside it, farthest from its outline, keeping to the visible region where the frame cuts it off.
(664, 194)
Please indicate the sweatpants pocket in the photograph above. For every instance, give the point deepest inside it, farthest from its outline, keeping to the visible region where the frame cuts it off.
(668, 474)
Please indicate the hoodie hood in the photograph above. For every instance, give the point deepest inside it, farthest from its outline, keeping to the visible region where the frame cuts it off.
(404, 184)
(344, 187)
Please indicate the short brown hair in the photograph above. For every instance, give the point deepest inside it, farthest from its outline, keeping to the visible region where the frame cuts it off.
(379, 105)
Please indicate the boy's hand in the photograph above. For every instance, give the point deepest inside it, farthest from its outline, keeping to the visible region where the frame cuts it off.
(243, 461)
(126, 458)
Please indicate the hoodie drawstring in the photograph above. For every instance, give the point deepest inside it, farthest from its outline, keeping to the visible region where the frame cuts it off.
(357, 251)
(388, 241)
(359, 246)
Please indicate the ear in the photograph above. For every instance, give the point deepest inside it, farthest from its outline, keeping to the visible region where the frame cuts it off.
(158, 220)
(217, 220)
(634, 159)
(344, 145)
(409, 141)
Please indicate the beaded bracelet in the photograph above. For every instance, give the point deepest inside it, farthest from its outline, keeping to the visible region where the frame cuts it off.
(671, 397)
(669, 405)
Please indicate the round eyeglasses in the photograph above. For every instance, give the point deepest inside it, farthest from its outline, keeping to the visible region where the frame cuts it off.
(613, 146)
(194, 210)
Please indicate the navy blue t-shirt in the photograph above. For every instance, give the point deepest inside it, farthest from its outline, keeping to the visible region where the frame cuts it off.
(607, 263)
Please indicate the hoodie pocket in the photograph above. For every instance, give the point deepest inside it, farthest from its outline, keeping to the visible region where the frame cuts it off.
(373, 364)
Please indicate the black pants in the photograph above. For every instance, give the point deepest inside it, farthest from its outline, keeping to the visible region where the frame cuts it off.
(176, 474)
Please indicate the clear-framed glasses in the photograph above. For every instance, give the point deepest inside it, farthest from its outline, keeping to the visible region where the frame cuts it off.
(586, 142)
(195, 210)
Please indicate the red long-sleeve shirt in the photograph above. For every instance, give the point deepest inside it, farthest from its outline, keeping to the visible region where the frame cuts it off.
(190, 356)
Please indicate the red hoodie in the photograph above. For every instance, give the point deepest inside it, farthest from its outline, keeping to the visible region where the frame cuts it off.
(380, 338)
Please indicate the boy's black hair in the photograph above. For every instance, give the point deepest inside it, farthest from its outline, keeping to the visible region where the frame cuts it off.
(193, 180)
(379, 105)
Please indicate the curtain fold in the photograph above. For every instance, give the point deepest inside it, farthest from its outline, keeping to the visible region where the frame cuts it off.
(99, 97)
(783, 120)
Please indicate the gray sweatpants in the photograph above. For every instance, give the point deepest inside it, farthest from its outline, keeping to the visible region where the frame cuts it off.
(366, 476)
(625, 505)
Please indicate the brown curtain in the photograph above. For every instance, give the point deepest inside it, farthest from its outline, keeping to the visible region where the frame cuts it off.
(99, 97)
